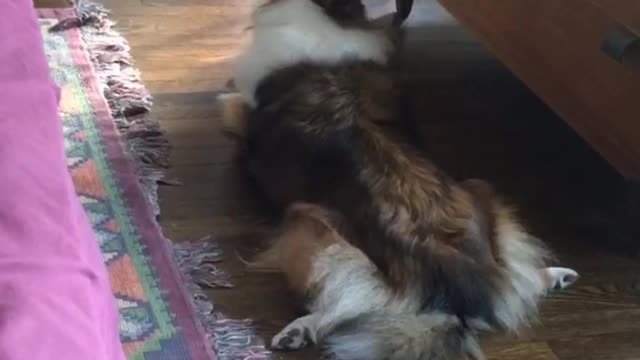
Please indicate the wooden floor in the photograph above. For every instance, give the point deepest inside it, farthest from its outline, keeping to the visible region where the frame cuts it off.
(469, 114)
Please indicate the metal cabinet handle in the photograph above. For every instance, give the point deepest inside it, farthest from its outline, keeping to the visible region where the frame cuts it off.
(623, 46)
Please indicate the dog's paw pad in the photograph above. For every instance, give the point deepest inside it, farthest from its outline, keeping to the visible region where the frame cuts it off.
(291, 338)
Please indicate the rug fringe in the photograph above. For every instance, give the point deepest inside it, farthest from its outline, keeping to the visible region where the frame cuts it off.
(233, 339)
(128, 99)
(197, 259)
(145, 141)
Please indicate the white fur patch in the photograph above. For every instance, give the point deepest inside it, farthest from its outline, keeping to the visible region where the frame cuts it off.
(524, 258)
(291, 31)
(350, 286)
(560, 277)
(297, 335)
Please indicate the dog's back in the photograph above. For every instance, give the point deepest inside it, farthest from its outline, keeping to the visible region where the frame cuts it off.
(314, 137)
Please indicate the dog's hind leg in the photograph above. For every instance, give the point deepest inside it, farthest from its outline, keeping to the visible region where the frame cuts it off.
(348, 287)
(234, 112)
(299, 334)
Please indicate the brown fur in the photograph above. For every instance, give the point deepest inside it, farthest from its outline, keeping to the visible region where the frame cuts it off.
(318, 134)
(349, 302)
(316, 137)
(344, 292)
(305, 232)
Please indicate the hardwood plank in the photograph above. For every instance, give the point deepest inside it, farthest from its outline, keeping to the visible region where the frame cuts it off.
(197, 132)
(529, 351)
(52, 3)
(187, 105)
(627, 12)
(608, 347)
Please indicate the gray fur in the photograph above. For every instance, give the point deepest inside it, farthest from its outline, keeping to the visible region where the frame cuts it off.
(390, 336)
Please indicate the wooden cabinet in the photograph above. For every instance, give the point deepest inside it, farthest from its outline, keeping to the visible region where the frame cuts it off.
(625, 11)
(556, 48)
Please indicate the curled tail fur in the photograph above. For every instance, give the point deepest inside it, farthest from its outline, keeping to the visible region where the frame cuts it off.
(392, 336)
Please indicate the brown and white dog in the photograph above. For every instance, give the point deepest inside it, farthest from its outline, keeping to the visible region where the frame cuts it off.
(422, 261)
(353, 311)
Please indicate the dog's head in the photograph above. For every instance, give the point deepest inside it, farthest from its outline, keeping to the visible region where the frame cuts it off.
(344, 12)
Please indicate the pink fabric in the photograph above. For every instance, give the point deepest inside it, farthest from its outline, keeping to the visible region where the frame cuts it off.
(55, 298)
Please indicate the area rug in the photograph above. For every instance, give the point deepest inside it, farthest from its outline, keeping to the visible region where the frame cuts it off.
(117, 155)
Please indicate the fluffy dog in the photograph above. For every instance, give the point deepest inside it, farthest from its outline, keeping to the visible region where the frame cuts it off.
(352, 310)
(319, 92)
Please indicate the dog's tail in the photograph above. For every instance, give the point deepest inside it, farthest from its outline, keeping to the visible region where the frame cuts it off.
(392, 336)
